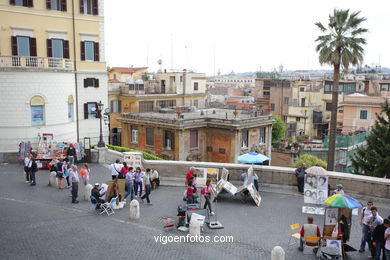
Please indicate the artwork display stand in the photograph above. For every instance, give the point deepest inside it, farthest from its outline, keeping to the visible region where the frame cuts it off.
(215, 224)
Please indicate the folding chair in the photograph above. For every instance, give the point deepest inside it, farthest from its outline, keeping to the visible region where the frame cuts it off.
(109, 207)
(312, 242)
(295, 237)
(99, 207)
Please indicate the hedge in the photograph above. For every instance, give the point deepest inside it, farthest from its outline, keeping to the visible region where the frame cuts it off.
(147, 156)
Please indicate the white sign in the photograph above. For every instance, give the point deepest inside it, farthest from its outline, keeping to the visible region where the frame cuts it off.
(133, 159)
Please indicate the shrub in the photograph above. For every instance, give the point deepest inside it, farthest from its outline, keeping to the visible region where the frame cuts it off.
(147, 156)
(310, 160)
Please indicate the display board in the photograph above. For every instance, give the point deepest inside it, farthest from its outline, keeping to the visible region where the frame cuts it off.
(315, 189)
(133, 159)
(203, 174)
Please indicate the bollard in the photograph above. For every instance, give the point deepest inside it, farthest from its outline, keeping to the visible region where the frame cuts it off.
(52, 179)
(134, 209)
(87, 194)
(277, 253)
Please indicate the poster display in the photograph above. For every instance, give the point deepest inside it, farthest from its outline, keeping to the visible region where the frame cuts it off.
(335, 244)
(315, 189)
(133, 159)
(331, 216)
(255, 195)
(230, 188)
(313, 210)
(203, 174)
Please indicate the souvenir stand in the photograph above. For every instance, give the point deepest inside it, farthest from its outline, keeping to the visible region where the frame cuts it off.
(337, 223)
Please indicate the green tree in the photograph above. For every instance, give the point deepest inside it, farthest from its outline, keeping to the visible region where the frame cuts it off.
(374, 159)
(340, 46)
(278, 129)
(310, 160)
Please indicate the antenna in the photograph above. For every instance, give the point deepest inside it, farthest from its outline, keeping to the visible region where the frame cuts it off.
(171, 51)
(159, 62)
(188, 57)
(214, 61)
(147, 55)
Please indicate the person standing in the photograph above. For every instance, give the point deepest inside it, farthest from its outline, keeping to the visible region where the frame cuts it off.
(378, 239)
(190, 192)
(124, 171)
(84, 173)
(155, 179)
(146, 179)
(300, 174)
(60, 173)
(115, 169)
(34, 169)
(71, 154)
(189, 174)
(308, 230)
(339, 189)
(74, 180)
(206, 192)
(387, 238)
(364, 216)
(27, 167)
(130, 184)
(138, 181)
(374, 221)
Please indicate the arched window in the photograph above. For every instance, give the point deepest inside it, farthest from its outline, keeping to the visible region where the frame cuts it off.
(70, 108)
(37, 104)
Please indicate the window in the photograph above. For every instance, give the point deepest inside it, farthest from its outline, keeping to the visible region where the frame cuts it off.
(91, 82)
(134, 134)
(385, 87)
(341, 111)
(303, 101)
(145, 106)
(196, 103)
(166, 103)
(89, 7)
(298, 119)
(196, 86)
(149, 136)
(286, 101)
(272, 107)
(89, 51)
(194, 139)
(37, 105)
(27, 3)
(23, 46)
(59, 5)
(266, 93)
(163, 86)
(57, 48)
(115, 106)
(244, 138)
(328, 106)
(262, 135)
(168, 140)
(114, 76)
(70, 108)
(363, 114)
(302, 89)
(88, 110)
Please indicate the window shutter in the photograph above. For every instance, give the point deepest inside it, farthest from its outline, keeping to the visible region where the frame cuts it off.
(112, 106)
(49, 48)
(82, 48)
(81, 6)
(119, 106)
(85, 110)
(96, 83)
(96, 50)
(14, 44)
(12, 2)
(95, 8)
(63, 5)
(33, 47)
(85, 83)
(30, 3)
(65, 45)
(48, 4)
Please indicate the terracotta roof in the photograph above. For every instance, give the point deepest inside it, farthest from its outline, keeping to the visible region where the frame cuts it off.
(126, 69)
(114, 81)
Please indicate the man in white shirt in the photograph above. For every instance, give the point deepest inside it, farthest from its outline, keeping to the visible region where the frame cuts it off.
(155, 179)
(364, 216)
(27, 167)
(115, 169)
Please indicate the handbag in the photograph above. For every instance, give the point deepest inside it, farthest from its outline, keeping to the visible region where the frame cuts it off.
(60, 174)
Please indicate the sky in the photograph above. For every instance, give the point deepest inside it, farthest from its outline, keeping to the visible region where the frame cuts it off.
(240, 36)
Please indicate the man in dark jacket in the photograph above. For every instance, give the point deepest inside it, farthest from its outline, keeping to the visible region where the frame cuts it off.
(300, 174)
(378, 239)
(71, 154)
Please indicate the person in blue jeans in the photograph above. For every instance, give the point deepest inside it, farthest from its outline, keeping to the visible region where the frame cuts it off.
(130, 184)
(364, 216)
(138, 181)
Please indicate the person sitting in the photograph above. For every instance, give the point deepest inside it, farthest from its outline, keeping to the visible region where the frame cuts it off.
(309, 230)
(96, 193)
(338, 190)
(255, 180)
(155, 179)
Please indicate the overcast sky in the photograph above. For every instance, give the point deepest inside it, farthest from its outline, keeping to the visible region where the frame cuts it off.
(242, 35)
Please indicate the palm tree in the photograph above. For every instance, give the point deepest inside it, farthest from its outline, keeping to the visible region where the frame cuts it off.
(340, 46)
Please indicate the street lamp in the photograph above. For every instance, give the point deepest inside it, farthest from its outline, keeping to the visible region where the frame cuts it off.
(98, 111)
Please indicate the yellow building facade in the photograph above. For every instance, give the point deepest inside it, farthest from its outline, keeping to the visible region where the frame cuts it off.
(52, 51)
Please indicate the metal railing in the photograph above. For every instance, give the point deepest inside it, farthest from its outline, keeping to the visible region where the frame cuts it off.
(35, 62)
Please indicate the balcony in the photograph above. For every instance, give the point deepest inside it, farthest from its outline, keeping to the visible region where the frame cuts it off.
(37, 63)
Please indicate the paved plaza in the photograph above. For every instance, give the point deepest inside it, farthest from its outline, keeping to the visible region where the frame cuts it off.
(40, 222)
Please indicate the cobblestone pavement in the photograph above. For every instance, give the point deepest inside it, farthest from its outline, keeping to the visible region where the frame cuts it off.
(40, 222)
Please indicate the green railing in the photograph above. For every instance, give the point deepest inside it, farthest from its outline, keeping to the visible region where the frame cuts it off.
(347, 141)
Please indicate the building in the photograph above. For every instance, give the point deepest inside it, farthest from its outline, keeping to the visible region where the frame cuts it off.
(120, 74)
(52, 70)
(214, 135)
(162, 90)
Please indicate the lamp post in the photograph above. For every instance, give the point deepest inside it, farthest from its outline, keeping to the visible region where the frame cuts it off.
(98, 111)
